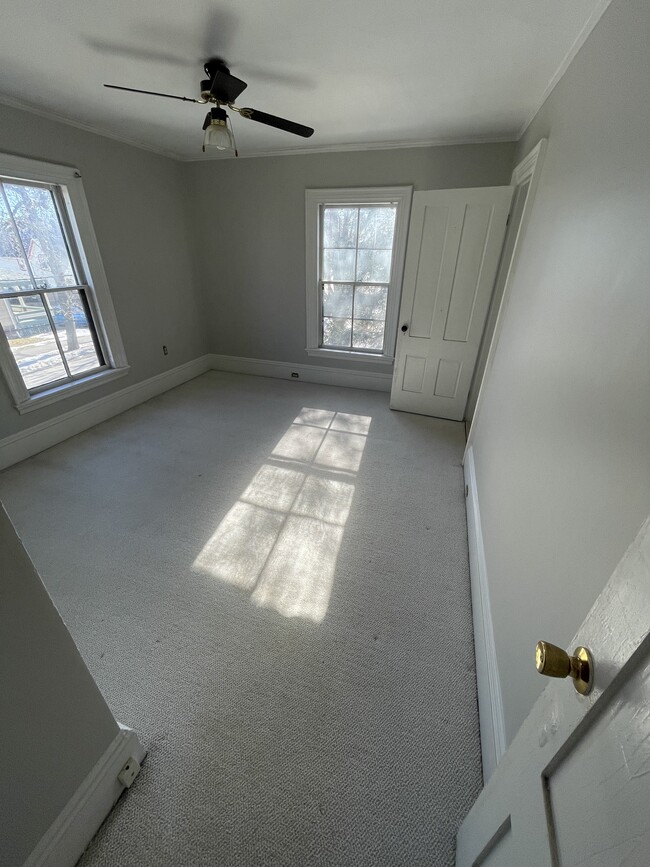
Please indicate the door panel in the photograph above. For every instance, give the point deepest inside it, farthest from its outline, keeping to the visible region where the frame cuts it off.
(575, 782)
(447, 378)
(474, 240)
(433, 242)
(455, 241)
(606, 773)
(414, 368)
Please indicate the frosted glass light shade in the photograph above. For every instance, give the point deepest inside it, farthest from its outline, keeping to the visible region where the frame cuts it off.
(218, 137)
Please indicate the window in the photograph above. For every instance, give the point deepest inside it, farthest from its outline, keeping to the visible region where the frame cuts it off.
(59, 335)
(356, 242)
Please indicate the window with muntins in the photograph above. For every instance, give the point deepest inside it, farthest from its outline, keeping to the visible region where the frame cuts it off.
(55, 338)
(356, 245)
(44, 306)
(357, 253)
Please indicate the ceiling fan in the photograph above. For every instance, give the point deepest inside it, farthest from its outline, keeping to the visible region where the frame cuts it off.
(222, 88)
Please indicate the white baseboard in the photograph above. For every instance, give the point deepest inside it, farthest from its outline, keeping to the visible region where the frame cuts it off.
(490, 703)
(42, 436)
(76, 825)
(306, 372)
(48, 433)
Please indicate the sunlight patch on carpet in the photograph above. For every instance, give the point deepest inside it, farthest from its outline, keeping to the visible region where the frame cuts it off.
(281, 540)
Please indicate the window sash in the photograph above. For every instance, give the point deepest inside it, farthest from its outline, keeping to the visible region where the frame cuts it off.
(70, 376)
(315, 201)
(81, 286)
(354, 283)
(64, 223)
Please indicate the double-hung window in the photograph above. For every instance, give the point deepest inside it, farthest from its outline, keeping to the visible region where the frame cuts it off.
(356, 243)
(58, 330)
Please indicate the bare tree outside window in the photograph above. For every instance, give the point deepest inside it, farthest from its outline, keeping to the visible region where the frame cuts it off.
(356, 262)
(44, 311)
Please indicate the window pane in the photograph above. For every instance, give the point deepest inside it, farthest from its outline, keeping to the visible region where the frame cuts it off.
(31, 340)
(370, 302)
(14, 275)
(373, 266)
(368, 334)
(377, 227)
(338, 264)
(337, 332)
(340, 227)
(337, 299)
(40, 231)
(73, 330)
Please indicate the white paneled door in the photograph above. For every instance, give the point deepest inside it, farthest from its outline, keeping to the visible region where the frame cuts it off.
(454, 246)
(574, 786)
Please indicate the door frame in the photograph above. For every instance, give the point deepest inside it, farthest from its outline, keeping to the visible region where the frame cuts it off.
(490, 702)
(527, 171)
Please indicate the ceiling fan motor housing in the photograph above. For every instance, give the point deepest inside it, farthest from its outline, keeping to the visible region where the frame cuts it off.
(220, 85)
(215, 64)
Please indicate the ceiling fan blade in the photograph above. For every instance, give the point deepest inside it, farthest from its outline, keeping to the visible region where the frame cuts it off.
(115, 49)
(152, 93)
(277, 122)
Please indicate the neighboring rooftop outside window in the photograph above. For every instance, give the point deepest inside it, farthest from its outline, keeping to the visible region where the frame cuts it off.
(58, 332)
(49, 327)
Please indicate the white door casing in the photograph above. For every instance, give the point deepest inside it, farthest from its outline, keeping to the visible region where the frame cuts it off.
(525, 175)
(454, 246)
(574, 786)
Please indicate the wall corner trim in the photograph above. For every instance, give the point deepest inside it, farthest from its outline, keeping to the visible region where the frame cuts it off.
(42, 436)
(490, 703)
(65, 840)
(306, 372)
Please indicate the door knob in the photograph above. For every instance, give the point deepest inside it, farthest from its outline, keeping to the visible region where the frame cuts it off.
(405, 328)
(555, 662)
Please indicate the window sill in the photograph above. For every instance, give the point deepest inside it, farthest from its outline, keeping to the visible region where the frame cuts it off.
(362, 357)
(45, 398)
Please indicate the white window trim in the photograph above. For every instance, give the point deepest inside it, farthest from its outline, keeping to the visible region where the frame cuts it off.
(313, 201)
(69, 178)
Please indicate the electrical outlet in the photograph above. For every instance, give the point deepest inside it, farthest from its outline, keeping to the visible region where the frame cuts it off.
(129, 772)
(295, 375)
(165, 350)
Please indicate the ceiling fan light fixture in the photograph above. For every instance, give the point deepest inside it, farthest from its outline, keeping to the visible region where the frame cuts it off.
(222, 88)
(218, 135)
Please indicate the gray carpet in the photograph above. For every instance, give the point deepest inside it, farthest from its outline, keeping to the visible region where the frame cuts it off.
(269, 582)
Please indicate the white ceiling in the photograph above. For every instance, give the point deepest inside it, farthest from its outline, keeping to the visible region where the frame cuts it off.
(363, 73)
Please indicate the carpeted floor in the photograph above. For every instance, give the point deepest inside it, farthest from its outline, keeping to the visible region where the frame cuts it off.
(269, 582)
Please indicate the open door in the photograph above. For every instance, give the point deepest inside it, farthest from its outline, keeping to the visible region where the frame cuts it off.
(454, 246)
(574, 786)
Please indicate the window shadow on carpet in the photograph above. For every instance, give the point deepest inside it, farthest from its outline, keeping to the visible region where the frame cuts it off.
(281, 539)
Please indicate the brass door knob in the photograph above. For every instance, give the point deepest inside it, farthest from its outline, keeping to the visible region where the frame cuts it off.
(555, 662)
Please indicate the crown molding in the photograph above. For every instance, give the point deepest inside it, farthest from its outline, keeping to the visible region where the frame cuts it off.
(369, 146)
(514, 136)
(173, 155)
(597, 13)
(20, 104)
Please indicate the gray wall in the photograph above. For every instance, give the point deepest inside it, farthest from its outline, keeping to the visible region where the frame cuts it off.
(249, 228)
(54, 723)
(138, 207)
(562, 443)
